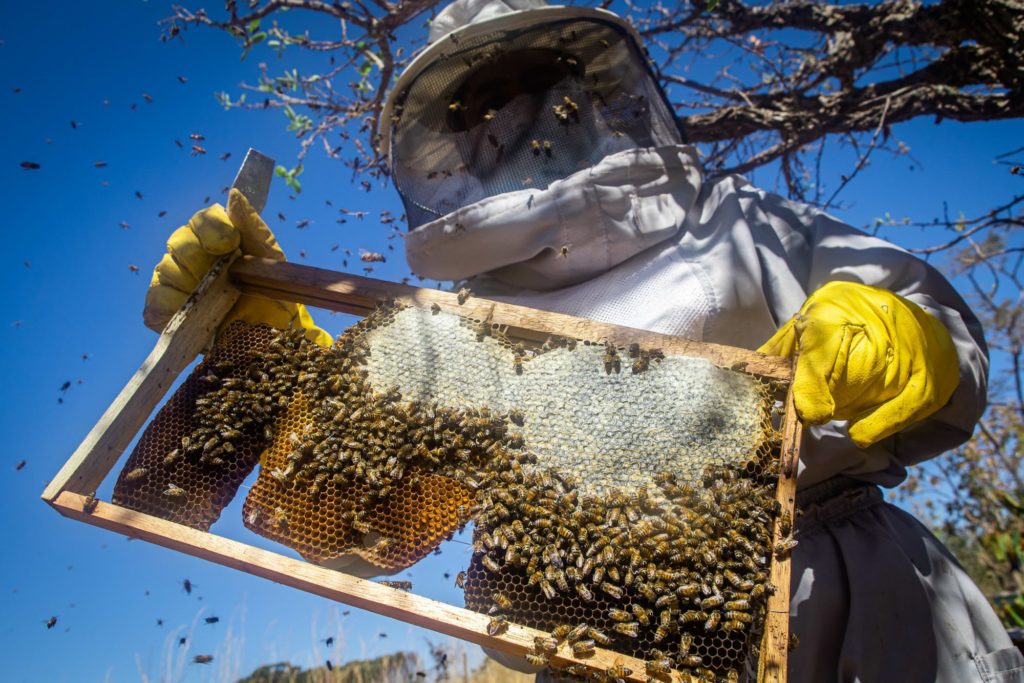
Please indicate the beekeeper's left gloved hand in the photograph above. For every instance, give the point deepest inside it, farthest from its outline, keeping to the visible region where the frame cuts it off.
(868, 356)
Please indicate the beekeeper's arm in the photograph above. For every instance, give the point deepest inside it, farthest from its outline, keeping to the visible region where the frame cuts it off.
(194, 247)
(908, 372)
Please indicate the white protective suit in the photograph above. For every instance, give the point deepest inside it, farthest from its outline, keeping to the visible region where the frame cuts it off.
(654, 245)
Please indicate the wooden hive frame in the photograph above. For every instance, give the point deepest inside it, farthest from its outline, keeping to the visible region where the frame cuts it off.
(192, 328)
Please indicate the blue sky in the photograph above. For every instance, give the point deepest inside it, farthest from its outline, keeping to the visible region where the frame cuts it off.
(73, 314)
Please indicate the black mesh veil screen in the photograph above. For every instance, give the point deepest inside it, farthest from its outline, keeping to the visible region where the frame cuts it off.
(511, 110)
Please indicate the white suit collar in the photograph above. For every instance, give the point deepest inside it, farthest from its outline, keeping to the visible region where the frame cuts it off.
(575, 229)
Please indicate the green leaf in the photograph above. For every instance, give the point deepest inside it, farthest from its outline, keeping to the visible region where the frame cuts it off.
(259, 37)
(712, 4)
(281, 171)
(253, 25)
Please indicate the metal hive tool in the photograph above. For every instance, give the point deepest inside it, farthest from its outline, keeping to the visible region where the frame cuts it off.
(599, 478)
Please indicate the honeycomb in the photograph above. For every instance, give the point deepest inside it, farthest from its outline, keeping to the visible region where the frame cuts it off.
(632, 512)
(162, 476)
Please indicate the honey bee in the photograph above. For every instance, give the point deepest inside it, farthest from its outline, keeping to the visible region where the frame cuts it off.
(501, 600)
(712, 601)
(545, 645)
(619, 615)
(135, 475)
(90, 503)
(564, 250)
(738, 605)
(660, 633)
(517, 364)
(712, 623)
(690, 660)
(642, 615)
(174, 491)
(629, 628)
(561, 632)
(667, 600)
(172, 457)
(535, 146)
(577, 632)
(658, 667)
(537, 659)
(786, 523)
(497, 626)
(463, 294)
(548, 589)
(598, 636)
(688, 590)
(400, 585)
(618, 671)
(577, 670)
(783, 548)
(547, 148)
(685, 642)
(584, 593)
(460, 580)
(583, 648)
(691, 616)
(742, 617)
(202, 659)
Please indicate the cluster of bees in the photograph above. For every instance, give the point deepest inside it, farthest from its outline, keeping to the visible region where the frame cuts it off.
(676, 574)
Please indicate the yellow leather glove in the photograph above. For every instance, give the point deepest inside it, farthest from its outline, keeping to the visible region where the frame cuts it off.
(193, 248)
(868, 356)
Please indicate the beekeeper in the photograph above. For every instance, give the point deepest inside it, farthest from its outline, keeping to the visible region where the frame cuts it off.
(538, 159)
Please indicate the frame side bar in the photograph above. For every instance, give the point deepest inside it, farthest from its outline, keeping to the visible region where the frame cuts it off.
(359, 295)
(772, 667)
(181, 341)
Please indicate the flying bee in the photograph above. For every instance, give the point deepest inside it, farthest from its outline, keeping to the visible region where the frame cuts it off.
(583, 648)
(535, 146)
(174, 491)
(455, 106)
(629, 628)
(497, 626)
(547, 148)
(563, 251)
(135, 475)
(460, 580)
(667, 600)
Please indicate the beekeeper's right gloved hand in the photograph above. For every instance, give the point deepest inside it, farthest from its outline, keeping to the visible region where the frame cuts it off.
(194, 247)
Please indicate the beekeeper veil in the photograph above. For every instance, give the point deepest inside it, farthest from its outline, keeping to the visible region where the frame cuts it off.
(514, 94)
